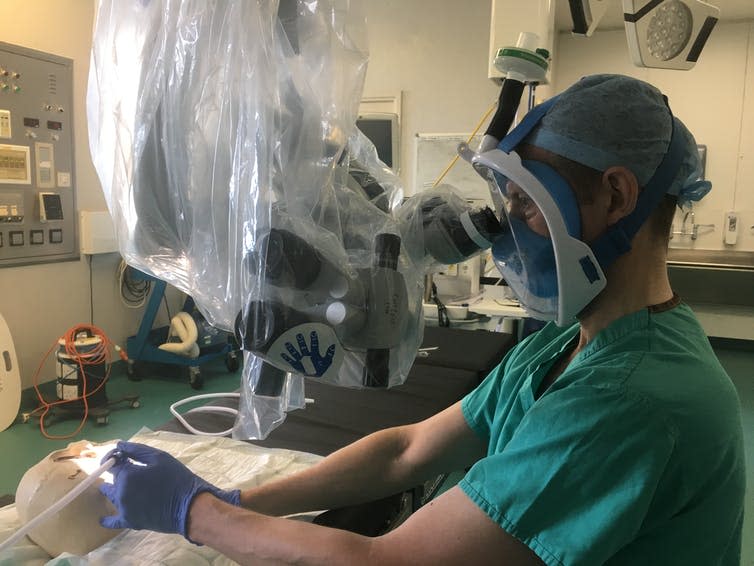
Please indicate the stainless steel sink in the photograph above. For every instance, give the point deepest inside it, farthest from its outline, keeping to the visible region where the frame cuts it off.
(714, 259)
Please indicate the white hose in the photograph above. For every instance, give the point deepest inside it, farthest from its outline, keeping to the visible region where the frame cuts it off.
(205, 409)
(209, 409)
(58, 505)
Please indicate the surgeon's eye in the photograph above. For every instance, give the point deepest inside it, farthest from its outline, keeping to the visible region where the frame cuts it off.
(521, 202)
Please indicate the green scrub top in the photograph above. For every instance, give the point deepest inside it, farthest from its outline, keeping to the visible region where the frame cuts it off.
(634, 455)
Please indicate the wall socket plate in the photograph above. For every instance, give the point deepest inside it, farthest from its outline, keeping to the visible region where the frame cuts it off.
(730, 228)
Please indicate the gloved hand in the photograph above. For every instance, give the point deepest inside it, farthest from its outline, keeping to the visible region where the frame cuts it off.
(152, 490)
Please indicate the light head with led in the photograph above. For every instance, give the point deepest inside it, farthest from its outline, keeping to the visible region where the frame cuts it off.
(668, 34)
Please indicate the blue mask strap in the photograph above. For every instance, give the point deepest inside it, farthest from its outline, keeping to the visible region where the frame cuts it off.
(617, 240)
(524, 128)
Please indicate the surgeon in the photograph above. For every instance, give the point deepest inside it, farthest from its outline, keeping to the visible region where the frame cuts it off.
(611, 436)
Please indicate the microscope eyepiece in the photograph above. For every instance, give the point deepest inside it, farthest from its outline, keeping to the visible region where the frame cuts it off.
(452, 236)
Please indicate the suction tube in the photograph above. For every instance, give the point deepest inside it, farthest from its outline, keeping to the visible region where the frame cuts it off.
(58, 505)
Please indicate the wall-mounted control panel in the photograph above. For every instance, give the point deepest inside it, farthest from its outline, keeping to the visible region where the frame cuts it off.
(37, 182)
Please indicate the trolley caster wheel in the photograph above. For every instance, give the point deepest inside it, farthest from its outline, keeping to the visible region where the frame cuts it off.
(135, 404)
(132, 372)
(101, 418)
(232, 362)
(195, 378)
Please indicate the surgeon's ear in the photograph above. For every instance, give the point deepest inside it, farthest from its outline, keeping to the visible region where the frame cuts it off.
(623, 190)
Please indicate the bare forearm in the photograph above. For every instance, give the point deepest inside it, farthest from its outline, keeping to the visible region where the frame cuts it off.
(376, 466)
(371, 468)
(252, 538)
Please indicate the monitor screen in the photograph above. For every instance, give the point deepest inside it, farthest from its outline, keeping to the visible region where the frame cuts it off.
(382, 131)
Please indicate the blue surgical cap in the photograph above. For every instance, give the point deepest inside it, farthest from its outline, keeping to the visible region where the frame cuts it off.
(608, 120)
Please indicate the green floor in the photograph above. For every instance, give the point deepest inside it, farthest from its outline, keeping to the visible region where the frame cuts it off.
(22, 445)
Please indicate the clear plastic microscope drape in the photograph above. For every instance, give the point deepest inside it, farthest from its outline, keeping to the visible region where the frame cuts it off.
(223, 135)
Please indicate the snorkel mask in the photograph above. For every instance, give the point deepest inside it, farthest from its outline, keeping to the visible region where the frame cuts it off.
(552, 272)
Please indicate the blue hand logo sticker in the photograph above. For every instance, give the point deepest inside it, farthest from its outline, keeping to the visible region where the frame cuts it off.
(311, 349)
(308, 360)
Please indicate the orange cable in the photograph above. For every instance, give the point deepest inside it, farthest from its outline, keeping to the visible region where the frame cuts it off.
(99, 354)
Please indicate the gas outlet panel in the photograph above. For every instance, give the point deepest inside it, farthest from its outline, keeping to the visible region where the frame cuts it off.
(37, 181)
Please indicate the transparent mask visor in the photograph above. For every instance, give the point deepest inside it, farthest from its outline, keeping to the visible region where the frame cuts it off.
(524, 254)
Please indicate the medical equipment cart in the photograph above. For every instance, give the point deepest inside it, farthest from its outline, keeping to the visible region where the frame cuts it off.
(144, 346)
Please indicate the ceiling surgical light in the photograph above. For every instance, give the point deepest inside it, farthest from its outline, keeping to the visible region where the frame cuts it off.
(668, 34)
(664, 34)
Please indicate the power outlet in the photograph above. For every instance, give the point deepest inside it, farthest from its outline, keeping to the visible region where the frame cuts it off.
(730, 231)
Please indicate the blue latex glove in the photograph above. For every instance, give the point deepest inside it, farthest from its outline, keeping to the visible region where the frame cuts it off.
(152, 490)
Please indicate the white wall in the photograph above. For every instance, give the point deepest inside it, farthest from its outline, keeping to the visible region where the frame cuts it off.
(715, 100)
(435, 54)
(41, 302)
